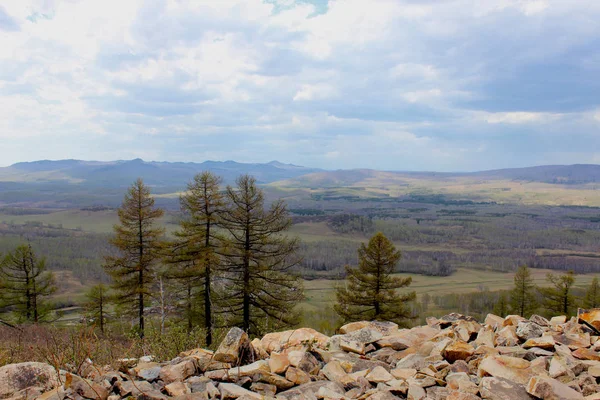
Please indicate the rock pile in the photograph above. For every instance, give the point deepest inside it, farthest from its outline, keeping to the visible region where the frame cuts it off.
(454, 357)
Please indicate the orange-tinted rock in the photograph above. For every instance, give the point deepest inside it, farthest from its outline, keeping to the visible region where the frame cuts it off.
(592, 316)
(458, 350)
(586, 354)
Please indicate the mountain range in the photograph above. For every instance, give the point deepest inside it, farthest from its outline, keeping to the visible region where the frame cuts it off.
(74, 183)
(161, 174)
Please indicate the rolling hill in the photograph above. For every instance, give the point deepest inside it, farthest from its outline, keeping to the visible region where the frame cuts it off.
(78, 183)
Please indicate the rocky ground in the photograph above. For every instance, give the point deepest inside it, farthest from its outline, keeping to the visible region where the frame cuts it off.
(455, 357)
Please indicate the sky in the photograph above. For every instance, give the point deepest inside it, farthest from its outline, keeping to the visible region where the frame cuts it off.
(437, 85)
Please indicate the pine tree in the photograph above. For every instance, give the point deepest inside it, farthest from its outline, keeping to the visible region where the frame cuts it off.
(371, 290)
(558, 298)
(261, 292)
(97, 300)
(522, 297)
(592, 295)
(193, 256)
(501, 307)
(24, 283)
(139, 242)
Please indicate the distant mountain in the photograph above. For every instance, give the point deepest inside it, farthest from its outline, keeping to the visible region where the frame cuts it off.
(78, 183)
(564, 174)
(158, 174)
(553, 174)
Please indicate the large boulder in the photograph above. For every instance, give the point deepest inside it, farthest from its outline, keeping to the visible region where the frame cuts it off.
(17, 377)
(511, 368)
(494, 388)
(551, 389)
(235, 349)
(385, 328)
(293, 340)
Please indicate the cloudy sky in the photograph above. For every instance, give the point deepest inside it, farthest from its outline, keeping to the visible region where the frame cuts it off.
(447, 85)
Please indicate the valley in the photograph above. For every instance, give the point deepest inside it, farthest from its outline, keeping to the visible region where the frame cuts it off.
(457, 234)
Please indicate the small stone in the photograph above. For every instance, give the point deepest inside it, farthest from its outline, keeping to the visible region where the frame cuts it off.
(538, 319)
(309, 391)
(458, 350)
(233, 391)
(528, 330)
(416, 392)
(493, 321)
(297, 376)
(85, 388)
(278, 363)
(543, 342)
(178, 372)
(485, 337)
(264, 388)
(507, 336)
(177, 389)
(133, 388)
(379, 374)
(151, 395)
(309, 364)
(558, 320)
(333, 371)
(198, 383)
(403, 373)
(513, 320)
(147, 371)
(352, 346)
(250, 369)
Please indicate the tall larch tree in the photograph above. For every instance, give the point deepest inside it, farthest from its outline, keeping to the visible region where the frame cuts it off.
(24, 283)
(558, 298)
(523, 295)
(261, 292)
(96, 304)
(139, 241)
(371, 292)
(193, 256)
(592, 295)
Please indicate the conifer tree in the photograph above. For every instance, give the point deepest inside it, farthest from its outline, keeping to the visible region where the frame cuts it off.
(193, 256)
(522, 297)
(501, 307)
(96, 305)
(261, 292)
(24, 283)
(592, 295)
(558, 298)
(371, 290)
(139, 243)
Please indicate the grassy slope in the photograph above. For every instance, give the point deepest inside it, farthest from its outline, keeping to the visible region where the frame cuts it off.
(379, 184)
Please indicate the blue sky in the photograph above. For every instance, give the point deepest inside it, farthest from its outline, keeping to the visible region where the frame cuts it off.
(446, 85)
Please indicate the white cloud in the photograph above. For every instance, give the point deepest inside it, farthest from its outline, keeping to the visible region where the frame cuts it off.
(264, 80)
(313, 92)
(519, 117)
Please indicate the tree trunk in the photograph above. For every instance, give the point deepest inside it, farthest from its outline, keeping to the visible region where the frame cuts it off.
(207, 297)
(246, 316)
